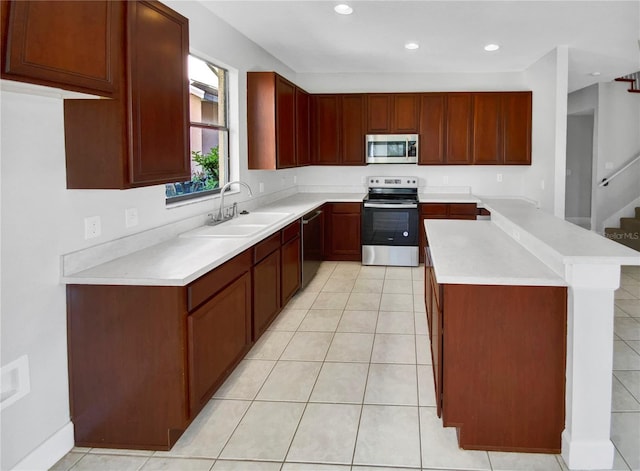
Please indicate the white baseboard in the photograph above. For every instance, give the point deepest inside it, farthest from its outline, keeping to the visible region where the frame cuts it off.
(50, 452)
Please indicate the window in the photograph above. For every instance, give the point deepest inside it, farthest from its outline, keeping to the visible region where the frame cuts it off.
(209, 132)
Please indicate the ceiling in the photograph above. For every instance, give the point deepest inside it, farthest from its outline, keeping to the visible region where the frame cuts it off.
(309, 37)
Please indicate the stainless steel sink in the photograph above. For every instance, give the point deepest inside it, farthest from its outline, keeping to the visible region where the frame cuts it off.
(242, 226)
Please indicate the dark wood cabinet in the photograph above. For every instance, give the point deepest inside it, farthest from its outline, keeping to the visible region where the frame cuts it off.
(290, 262)
(272, 121)
(140, 137)
(303, 130)
(342, 231)
(266, 283)
(337, 123)
(502, 128)
(73, 45)
(218, 336)
(445, 129)
(352, 130)
(143, 360)
(392, 113)
(495, 407)
(507, 330)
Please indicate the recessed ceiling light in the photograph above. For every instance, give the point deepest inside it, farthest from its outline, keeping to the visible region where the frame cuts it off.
(491, 47)
(343, 9)
(412, 46)
(595, 74)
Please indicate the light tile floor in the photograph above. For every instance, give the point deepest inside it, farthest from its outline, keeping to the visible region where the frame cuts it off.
(342, 381)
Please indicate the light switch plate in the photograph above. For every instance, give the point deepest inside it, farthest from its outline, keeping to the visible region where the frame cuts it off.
(499, 177)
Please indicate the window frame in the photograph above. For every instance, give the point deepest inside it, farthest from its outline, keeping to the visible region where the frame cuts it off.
(213, 127)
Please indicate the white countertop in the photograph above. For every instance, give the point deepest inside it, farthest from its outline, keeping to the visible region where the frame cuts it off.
(563, 241)
(181, 260)
(480, 253)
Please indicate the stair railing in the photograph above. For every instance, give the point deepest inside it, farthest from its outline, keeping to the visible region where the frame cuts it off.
(607, 180)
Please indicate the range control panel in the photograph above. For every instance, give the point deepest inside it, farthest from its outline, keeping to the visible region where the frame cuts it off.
(393, 182)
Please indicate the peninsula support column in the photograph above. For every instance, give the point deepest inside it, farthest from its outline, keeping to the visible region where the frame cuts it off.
(586, 442)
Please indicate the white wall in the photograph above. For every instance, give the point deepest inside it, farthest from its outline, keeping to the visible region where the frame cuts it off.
(579, 165)
(544, 181)
(618, 130)
(616, 139)
(41, 220)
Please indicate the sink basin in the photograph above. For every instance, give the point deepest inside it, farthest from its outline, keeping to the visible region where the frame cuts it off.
(257, 218)
(242, 226)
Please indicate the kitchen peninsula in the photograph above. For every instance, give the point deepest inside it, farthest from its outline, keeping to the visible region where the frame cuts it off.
(550, 254)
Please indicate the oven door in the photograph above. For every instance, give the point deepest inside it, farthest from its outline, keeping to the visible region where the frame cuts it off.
(390, 224)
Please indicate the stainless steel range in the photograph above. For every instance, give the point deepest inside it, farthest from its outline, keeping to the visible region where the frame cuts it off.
(390, 217)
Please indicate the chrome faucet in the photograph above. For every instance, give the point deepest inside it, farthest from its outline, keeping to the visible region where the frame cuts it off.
(220, 217)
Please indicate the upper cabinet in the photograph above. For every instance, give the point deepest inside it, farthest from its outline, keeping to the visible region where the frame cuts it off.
(393, 113)
(277, 122)
(479, 128)
(141, 137)
(502, 128)
(337, 129)
(445, 129)
(73, 45)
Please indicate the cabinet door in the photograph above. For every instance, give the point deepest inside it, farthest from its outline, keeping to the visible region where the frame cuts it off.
(303, 145)
(379, 113)
(516, 116)
(487, 128)
(218, 337)
(266, 292)
(290, 276)
(158, 47)
(406, 113)
(458, 129)
(326, 135)
(342, 232)
(432, 129)
(74, 45)
(285, 123)
(353, 130)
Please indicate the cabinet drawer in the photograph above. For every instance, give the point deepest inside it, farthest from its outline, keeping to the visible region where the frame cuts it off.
(346, 208)
(264, 248)
(462, 209)
(434, 209)
(291, 232)
(210, 284)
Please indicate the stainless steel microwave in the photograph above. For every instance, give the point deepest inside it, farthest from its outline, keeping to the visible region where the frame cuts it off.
(392, 148)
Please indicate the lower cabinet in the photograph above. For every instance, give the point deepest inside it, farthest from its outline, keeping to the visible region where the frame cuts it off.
(499, 356)
(218, 335)
(291, 263)
(342, 231)
(143, 360)
(266, 284)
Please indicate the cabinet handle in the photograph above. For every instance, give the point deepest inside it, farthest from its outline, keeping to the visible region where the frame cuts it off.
(307, 221)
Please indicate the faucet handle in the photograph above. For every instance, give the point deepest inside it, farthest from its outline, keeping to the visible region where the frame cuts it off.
(234, 210)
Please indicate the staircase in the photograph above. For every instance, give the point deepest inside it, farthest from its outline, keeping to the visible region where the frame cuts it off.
(629, 232)
(633, 80)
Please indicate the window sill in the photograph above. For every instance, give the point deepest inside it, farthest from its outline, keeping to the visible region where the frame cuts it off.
(197, 200)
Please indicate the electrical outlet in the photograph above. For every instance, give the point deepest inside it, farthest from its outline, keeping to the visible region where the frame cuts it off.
(131, 217)
(499, 177)
(92, 227)
(261, 185)
(295, 179)
(542, 184)
(445, 180)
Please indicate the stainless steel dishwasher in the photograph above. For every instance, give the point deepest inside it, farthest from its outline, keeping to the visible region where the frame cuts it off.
(312, 236)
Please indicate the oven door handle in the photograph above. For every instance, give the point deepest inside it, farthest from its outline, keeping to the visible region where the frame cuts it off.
(391, 206)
